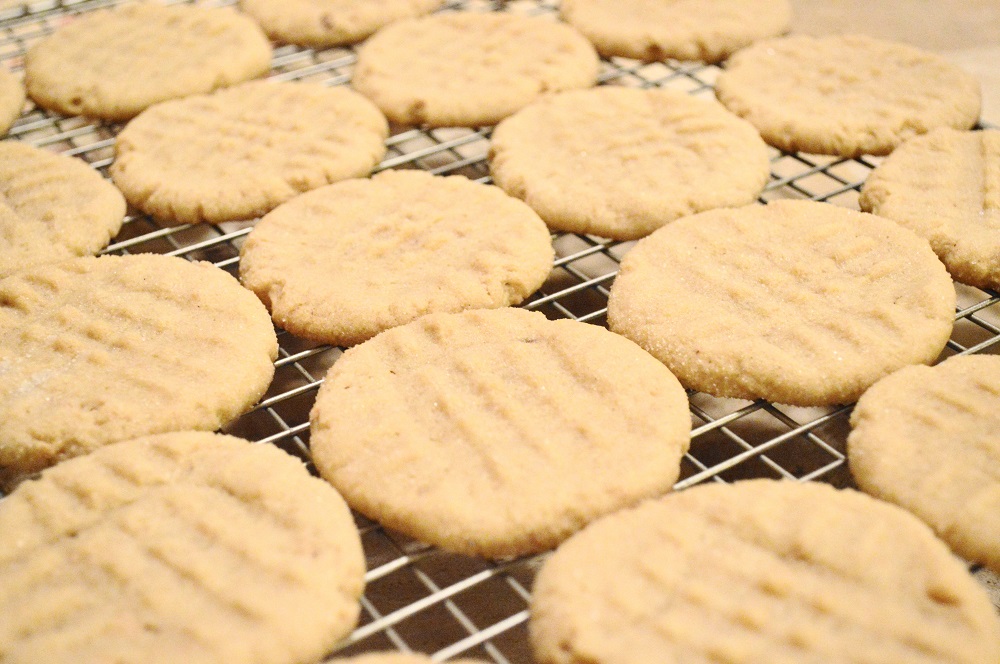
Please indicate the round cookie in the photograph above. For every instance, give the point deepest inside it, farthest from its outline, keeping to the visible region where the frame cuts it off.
(470, 69)
(760, 571)
(845, 95)
(330, 22)
(650, 30)
(97, 350)
(925, 438)
(11, 100)
(241, 152)
(185, 547)
(621, 162)
(795, 302)
(945, 187)
(497, 432)
(52, 208)
(407, 243)
(113, 64)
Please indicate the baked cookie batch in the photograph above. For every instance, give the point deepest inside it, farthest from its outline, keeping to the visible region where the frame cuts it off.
(132, 533)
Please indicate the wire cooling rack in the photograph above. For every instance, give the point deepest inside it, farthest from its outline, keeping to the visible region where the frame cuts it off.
(419, 598)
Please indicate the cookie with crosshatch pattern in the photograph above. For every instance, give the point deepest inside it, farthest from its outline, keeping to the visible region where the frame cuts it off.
(760, 571)
(795, 302)
(407, 243)
(114, 63)
(97, 350)
(325, 23)
(945, 186)
(497, 432)
(240, 152)
(845, 95)
(183, 547)
(709, 30)
(11, 100)
(621, 162)
(54, 207)
(926, 439)
(469, 69)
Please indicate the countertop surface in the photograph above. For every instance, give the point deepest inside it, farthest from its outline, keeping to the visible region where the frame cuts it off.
(967, 32)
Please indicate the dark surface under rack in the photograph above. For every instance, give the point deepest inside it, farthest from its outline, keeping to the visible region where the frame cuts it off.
(419, 598)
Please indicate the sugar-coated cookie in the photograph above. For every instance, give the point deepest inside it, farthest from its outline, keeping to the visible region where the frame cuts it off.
(238, 153)
(52, 208)
(113, 64)
(97, 350)
(322, 23)
(709, 30)
(795, 302)
(945, 187)
(469, 69)
(497, 432)
(11, 100)
(846, 95)
(926, 439)
(621, 162)
(760, 571)
(405, 243)
(184, 547)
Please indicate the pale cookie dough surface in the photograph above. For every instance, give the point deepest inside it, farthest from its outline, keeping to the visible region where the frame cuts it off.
(113, 64)
(760, 571)
(709, 30)
(621, 162)
(97, 350)
(406, 243)
(184, 547)
(11, 100)
(497, 433)
(945, 187)
(52, 208)
(926, 439)
(470, 69)
(241, 152)
(794, 302)
(322, 23)
(846, 95)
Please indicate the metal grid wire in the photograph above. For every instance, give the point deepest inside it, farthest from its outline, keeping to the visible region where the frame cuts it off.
(419, 598)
